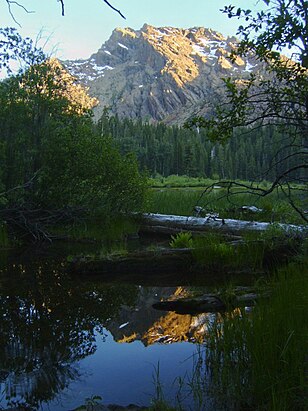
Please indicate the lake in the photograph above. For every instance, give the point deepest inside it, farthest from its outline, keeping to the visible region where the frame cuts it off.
(64, 339)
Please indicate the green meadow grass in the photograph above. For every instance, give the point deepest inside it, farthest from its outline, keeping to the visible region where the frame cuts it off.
(181, 201)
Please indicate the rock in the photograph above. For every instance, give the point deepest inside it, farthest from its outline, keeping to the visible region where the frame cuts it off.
(198, 210)
(160, 73)
(251, 209)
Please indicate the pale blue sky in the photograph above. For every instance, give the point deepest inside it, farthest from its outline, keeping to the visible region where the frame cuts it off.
(88, 24)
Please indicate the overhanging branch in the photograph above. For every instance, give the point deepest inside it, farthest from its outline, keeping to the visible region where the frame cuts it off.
(62, 7)
(16, 3)
(113, 8)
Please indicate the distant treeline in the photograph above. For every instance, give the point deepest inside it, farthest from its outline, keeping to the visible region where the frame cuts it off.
(250, 155)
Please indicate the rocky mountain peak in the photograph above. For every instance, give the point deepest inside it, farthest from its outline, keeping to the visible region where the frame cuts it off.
(159, 73)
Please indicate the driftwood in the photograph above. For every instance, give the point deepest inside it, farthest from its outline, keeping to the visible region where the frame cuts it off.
(171, 224)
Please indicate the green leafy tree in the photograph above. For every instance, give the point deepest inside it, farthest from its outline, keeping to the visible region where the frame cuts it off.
(279, 99)
(54, 157)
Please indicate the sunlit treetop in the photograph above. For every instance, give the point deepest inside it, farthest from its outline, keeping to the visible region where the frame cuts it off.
(49, 80)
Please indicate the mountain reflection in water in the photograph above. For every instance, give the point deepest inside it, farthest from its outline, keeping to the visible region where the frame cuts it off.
(60, 339)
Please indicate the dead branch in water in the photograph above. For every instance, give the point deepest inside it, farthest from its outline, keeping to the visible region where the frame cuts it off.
(35, 223)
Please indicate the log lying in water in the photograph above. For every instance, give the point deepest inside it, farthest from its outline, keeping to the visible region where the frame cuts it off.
(171, 224)
(144, 262)
(205, 304)
(168, 267)
(209, 303)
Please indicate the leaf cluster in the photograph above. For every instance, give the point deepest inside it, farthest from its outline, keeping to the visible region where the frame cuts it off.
(15, 48)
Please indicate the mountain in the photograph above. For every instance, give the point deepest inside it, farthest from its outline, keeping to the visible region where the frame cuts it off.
(160, 74)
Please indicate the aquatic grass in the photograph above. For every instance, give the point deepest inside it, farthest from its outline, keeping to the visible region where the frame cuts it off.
(249, 254)
(4, 239)
(90, 404)
(159, 403)
(213, 251)
(239, 256)
(259, 360)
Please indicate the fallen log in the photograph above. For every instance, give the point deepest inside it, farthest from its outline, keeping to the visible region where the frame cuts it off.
(168, 267)
(170, 224)
(144, 262)
(205, 304)
(211, 303)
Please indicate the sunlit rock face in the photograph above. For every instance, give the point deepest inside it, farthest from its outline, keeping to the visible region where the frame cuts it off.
(160, 74)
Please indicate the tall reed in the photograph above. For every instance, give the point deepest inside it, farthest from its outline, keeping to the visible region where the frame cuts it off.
(4, 239)
(258, 361)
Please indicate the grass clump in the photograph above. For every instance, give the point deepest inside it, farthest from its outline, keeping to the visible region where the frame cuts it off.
(213, 251)
(182, 240)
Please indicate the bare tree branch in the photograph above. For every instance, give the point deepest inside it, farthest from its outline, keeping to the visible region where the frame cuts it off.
(62, 7)
(16, 3)
(255, 189)
(113, 8)
(26, 185)
(105, 1)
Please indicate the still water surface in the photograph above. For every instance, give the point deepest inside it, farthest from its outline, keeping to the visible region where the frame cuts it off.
(64, 339)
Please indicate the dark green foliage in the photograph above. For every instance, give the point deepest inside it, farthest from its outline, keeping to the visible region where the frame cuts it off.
(61, 160)
(52, 155)
(82, 168)
(165, 151)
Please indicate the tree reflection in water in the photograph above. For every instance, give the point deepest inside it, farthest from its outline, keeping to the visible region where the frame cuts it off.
(48, 323)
